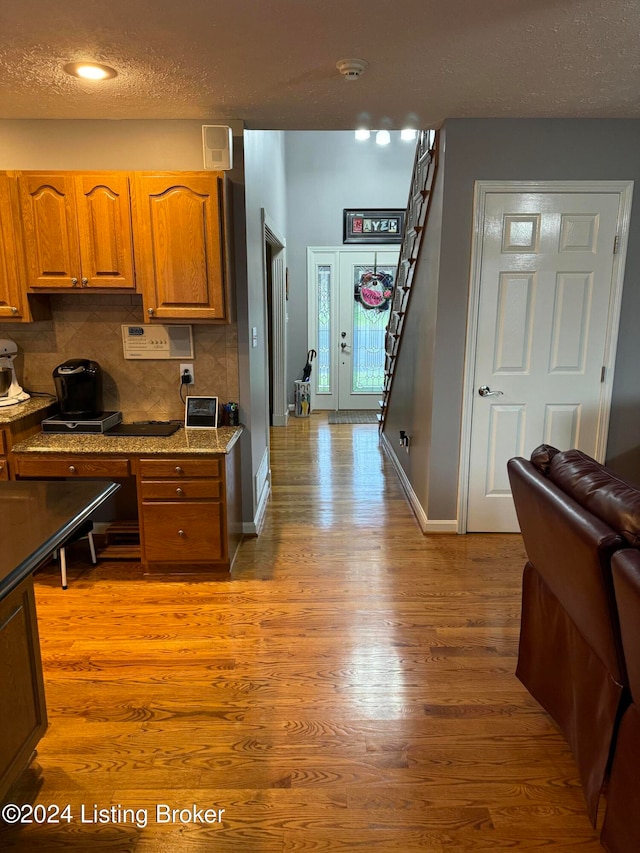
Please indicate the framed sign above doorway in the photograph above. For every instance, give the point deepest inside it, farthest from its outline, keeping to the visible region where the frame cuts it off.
(373, 226)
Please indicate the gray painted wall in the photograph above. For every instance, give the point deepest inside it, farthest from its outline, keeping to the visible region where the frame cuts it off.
(101, 144)
(264, 188)
(325, 173)
(523, 150)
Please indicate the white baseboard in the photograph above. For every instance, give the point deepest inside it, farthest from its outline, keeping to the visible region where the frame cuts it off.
(444, 525)
(280, 420)
(253, 528)
(262, 485)
(426, 525)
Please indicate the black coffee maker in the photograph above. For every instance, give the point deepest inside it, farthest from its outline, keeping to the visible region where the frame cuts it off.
(79, 388)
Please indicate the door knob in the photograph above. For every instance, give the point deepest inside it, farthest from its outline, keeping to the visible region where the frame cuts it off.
(485, 391)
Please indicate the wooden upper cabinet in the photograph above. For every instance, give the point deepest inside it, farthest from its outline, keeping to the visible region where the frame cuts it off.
(77, 230)
(179, 248)
(13, 300)
(105, 230)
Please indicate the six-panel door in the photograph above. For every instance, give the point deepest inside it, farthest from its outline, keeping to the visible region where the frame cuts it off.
(544, 317)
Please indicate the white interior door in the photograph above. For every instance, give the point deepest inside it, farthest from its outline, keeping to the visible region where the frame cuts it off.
(350, 295)
(545, 312)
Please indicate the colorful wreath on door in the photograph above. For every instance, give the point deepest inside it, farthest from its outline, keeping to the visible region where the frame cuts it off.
(374, 290)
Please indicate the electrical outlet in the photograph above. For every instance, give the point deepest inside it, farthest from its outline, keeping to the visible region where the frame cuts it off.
(189, 368)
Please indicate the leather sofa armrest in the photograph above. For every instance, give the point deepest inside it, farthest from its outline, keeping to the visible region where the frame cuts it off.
(571, 549)
(625, 567)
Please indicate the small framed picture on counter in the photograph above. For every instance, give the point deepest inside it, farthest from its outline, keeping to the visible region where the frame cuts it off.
(201, 412)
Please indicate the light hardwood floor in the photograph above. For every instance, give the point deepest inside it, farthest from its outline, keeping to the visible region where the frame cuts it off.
(349, 688)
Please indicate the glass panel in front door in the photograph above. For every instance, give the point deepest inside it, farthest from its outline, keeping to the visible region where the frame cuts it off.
(372, 292)
(366, 292)
(323, 308)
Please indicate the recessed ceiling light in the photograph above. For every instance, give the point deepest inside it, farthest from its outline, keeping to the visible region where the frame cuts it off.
(362, 134)
(383, 137)
(408, 134)
(90, 70)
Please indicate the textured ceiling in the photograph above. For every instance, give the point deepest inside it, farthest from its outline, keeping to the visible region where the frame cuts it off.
(271, 63)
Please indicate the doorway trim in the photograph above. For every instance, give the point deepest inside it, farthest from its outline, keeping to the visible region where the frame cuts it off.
(330, 401)
(481, 190)
(278, 331)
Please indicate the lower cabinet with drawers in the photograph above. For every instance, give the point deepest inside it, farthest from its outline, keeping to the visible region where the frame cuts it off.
(189, 506)
(183, 511)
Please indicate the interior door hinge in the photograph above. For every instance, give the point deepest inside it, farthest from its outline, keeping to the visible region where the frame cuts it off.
(616, 240)
(602, 373)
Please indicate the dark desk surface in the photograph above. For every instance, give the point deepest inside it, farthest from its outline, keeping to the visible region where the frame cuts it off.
(36, 517)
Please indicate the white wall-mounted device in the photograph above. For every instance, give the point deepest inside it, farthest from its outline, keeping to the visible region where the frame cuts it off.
(217, 147)
(157, 342)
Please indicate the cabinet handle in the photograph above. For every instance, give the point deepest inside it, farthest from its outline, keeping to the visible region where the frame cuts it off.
(14, 310)
(74, 281)
(85, 282)
(178, 469)
(72, 469)
(180, 532)
(150, 312)
(179, 491)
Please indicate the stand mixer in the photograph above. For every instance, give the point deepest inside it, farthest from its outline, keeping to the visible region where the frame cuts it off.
(10, 392)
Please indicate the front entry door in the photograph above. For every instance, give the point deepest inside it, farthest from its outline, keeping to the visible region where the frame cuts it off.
(545, 313)
(366, 288)
(350, 296)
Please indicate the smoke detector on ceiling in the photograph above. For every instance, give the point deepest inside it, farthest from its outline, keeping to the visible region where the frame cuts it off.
(351, 69)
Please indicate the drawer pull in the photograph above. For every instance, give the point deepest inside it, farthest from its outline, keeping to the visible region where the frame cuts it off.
(178, 469)
(179, 491)
(72, 469)
(180, 532)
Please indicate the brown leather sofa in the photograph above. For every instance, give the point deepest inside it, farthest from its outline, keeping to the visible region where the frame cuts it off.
(575, 515)
(621, 829)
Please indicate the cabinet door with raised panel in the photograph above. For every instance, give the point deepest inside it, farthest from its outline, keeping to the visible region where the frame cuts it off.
(179, 245)
(22, 700)
(13, 300)
(104, 230)
(49, 221)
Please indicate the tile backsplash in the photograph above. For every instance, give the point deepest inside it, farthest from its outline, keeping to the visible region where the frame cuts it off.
(89, 326)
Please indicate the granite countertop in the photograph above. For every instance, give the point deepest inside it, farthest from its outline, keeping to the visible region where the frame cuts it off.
(184, 441)
(9, 414)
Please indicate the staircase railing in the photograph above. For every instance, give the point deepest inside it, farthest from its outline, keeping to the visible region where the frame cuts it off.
(422, 180)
